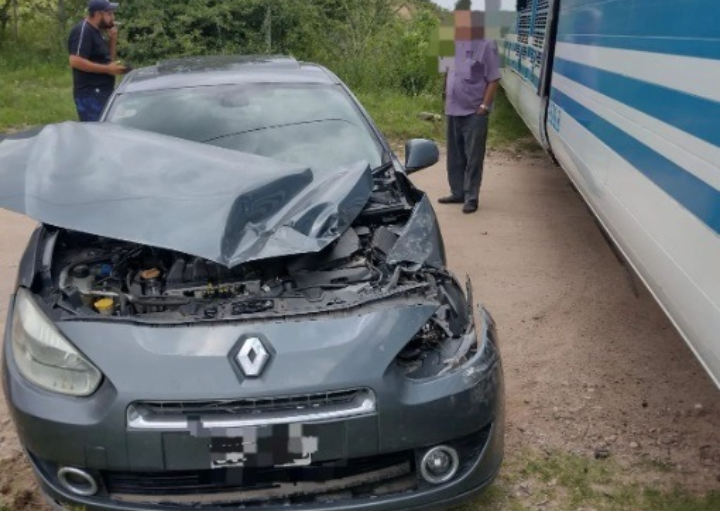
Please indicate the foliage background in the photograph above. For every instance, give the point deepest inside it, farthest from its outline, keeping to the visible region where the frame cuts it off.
(381, 54)
(364, 41)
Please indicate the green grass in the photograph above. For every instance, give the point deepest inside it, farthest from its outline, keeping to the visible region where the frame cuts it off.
(507, 129)
(42, 94)
(564, 482)
(397, 116)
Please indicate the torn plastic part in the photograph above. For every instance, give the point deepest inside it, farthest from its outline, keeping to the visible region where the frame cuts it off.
(384, 240)
(47, 256)
(138, 186)
(456, 311)
(449, 339)
(440, 319)
(420, 241)
(469, 299)
(335, 278)
(345, 247)
(460, 356)
(488, 350)
(479, 335)
(251, 307)
(425, 355)
(397, 272)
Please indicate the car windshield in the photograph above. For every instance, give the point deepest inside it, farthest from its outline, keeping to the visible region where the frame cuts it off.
(318, 126)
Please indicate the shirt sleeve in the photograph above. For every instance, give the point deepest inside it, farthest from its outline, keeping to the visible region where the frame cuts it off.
(492, 62)
(80, 41)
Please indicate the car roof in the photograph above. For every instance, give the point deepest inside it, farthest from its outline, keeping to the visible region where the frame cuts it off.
(224, 70)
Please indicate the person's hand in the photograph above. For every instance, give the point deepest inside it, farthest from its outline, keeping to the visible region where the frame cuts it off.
(112, 33)
(483, 110)
(116, 68)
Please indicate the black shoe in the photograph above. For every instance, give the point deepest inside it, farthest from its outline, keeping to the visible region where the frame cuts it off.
(470, 207)
(451, 199)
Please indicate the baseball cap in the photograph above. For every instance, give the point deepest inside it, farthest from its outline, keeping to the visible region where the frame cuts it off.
(101, 5)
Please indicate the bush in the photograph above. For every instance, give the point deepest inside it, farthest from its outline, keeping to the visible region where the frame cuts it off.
(363, 42)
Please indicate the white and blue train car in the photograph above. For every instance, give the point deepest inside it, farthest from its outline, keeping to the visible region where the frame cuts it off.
(626, 95)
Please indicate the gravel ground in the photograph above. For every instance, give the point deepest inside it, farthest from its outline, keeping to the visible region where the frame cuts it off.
(592, 365)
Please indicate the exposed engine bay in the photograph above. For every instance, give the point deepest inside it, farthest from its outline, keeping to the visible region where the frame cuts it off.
(98, 278)
(98, 275)
(121, 279)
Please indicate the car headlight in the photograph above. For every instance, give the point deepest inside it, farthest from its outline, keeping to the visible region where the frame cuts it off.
(44, 356)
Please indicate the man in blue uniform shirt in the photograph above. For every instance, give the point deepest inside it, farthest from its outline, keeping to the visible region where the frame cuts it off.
(92, 59)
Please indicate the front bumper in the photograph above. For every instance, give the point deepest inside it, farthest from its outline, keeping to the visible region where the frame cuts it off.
(411, 416)
(470, 482)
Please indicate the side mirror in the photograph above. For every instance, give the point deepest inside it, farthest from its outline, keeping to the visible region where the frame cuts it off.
(420, 154)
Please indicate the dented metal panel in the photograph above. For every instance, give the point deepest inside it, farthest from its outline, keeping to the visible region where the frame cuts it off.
(420, 241)
(137, 186)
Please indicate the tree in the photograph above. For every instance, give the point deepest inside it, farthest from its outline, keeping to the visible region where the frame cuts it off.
(5, 15)
(463, 5)
(41, 23)
(363, 23)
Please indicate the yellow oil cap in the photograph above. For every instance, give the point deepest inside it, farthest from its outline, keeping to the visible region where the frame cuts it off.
(150, 274)
(105, 306)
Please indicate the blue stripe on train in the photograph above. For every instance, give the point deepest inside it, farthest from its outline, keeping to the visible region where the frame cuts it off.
(641, 18)
(686, 48)
(661, 26)
(692, 114)
(694, 194)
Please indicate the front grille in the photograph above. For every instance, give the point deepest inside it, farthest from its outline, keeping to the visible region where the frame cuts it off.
(253, 405)
(318, 482)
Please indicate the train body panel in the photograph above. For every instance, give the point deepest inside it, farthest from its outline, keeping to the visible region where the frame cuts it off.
(628, 104)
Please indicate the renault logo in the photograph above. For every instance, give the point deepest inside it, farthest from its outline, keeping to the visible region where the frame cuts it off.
(252, 357)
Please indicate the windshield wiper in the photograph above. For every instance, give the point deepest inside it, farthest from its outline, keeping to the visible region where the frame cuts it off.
(272, 127)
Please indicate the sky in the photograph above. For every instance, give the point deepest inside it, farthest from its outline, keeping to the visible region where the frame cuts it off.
(477, 4)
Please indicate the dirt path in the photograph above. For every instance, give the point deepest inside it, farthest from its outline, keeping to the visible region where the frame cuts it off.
(589, 365)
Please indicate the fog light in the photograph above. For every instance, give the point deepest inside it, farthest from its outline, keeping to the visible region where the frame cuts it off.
(77, 481)
(439, 464)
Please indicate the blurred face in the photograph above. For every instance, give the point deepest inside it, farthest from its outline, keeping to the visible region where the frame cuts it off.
(106, 19)
(469, 25)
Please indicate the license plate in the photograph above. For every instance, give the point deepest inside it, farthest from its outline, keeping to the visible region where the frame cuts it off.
(285, 445)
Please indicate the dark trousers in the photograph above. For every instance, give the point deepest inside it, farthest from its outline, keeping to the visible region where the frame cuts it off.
(466, 140)
(90, 104)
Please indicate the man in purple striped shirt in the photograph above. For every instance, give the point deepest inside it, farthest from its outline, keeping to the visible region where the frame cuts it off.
(470, 86)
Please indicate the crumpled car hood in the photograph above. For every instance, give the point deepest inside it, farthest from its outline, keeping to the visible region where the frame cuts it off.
(221, 205)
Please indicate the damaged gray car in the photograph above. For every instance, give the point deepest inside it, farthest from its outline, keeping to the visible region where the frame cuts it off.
(236, 299)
